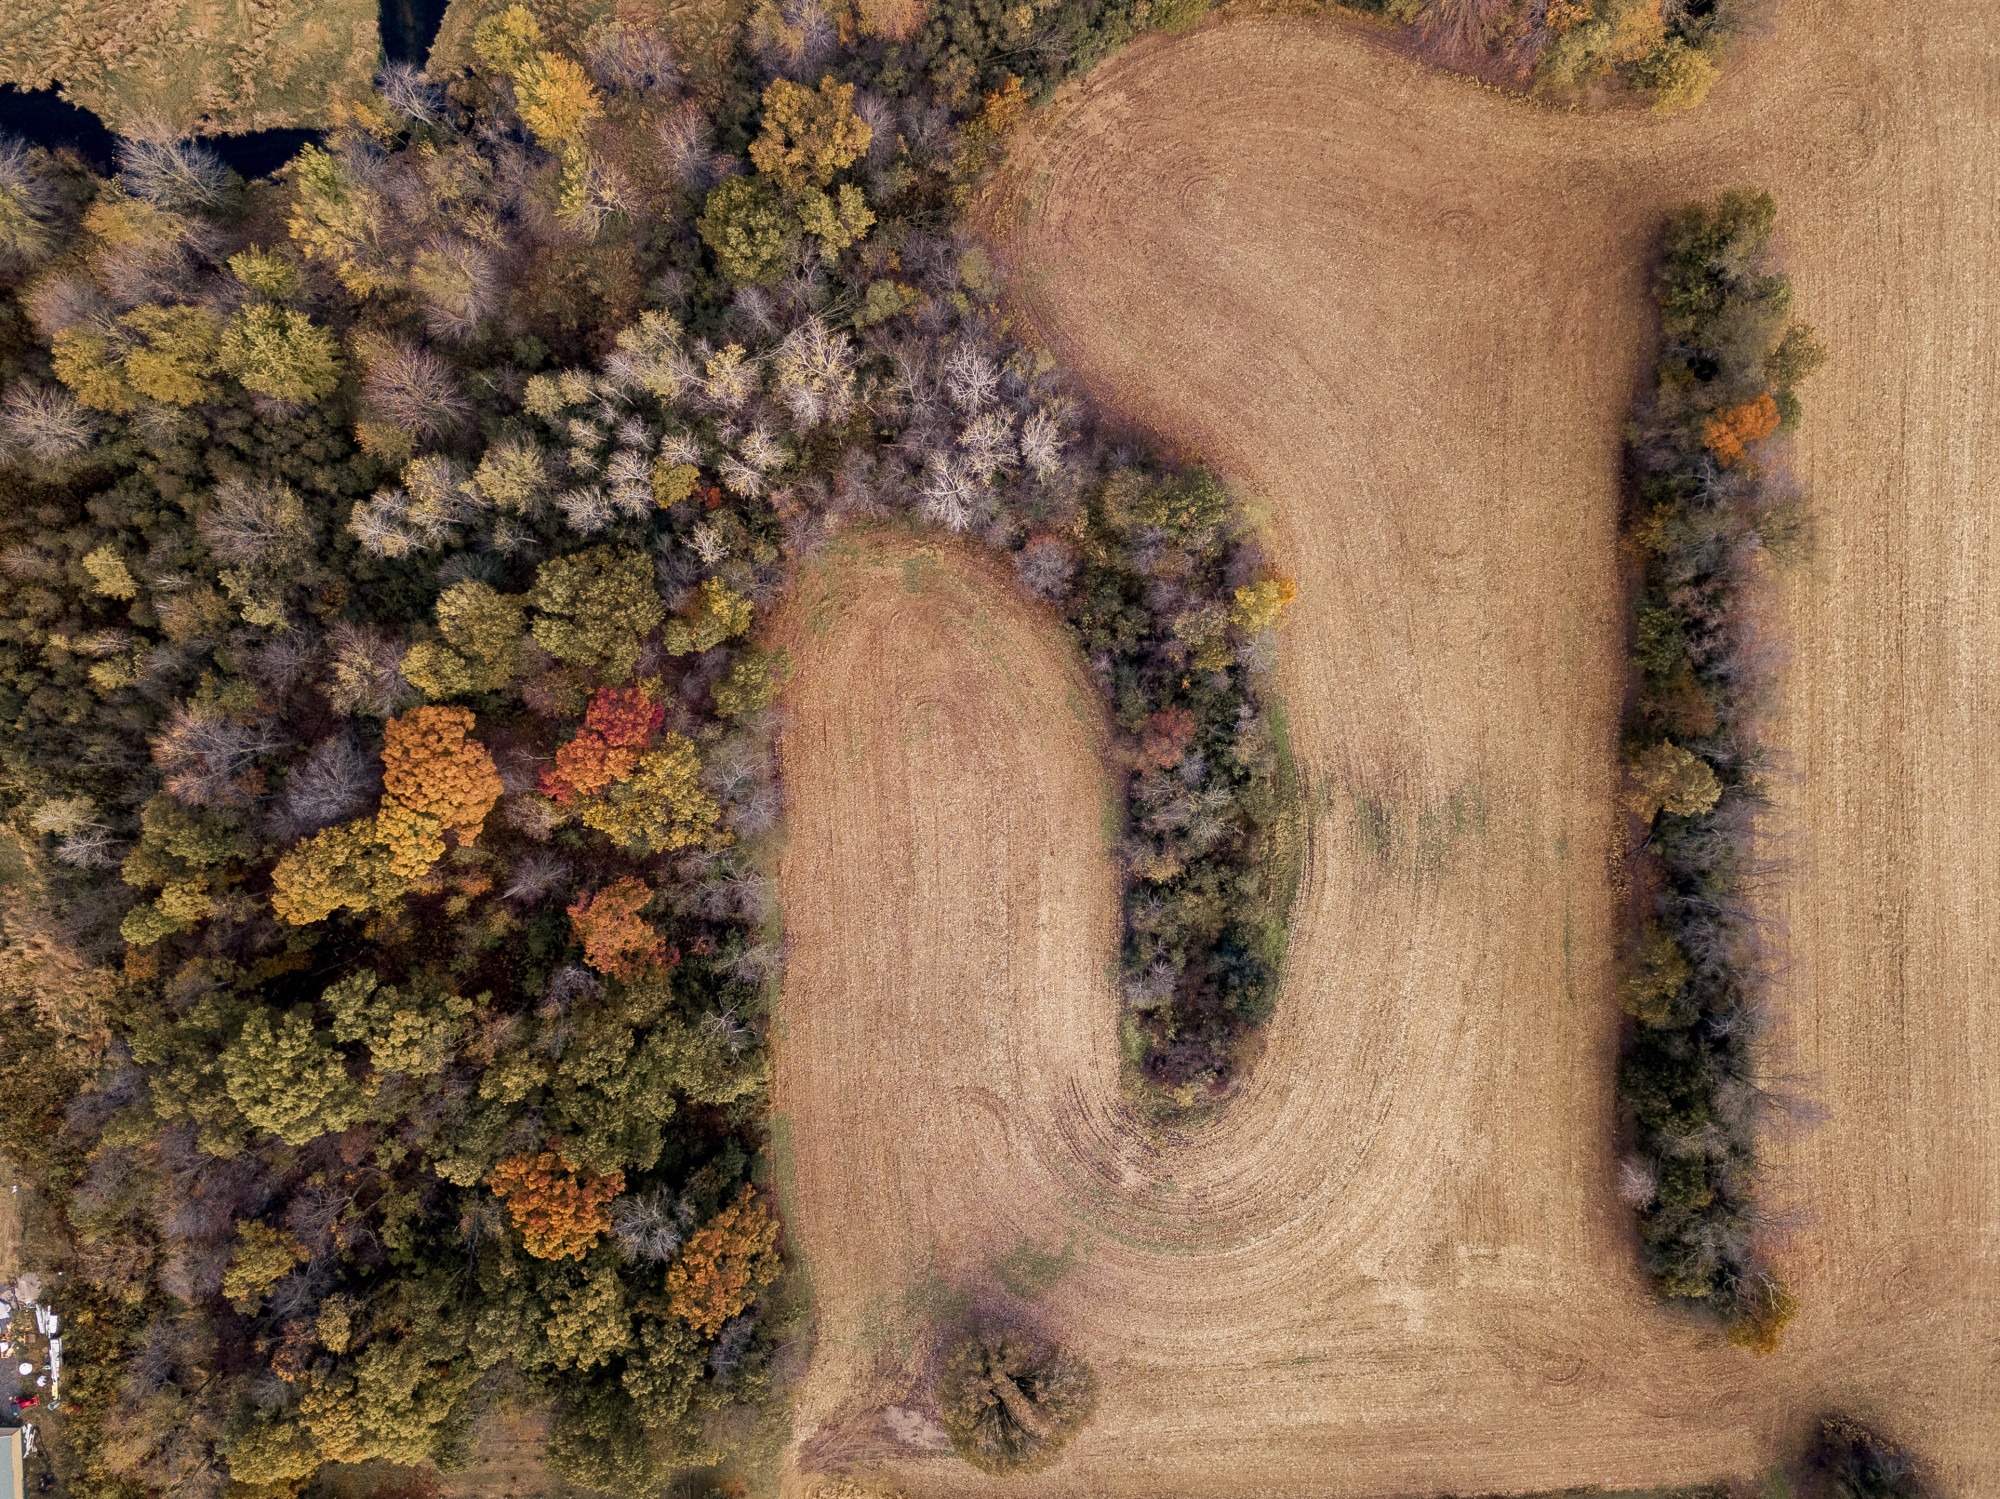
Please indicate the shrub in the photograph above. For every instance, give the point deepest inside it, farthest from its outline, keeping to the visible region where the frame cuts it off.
(1009, 1401)
(1854, 1463)
(1677, 75)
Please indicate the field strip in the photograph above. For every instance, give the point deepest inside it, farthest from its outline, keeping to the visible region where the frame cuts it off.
(1409, 314)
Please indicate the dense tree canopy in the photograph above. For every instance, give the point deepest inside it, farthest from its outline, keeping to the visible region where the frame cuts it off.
(383, 724)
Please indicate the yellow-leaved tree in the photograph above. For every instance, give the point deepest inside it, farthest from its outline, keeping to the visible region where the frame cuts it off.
(437, 782)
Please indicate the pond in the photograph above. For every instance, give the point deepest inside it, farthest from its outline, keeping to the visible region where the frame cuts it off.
(42, 117)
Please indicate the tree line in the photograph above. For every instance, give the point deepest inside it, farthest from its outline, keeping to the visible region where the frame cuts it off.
(1711, 508)
(1666, 52)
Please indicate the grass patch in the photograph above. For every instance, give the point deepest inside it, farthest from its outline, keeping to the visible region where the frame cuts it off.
(206, 66)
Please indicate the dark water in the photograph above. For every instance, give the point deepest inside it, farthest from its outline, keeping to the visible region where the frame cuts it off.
(409, 27)
(43, 118)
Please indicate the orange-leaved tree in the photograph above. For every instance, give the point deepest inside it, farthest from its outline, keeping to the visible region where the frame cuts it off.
(1164, 738)
(1731, 431)
(617, 941)
(432, 767)
(435, 780)
(616, 728)
(559, 1208)
(729, 1260)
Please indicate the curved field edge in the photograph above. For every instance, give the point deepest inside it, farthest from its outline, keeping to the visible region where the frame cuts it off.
(1380, 251)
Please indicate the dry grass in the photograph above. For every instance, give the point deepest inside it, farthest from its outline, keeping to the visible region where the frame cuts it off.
(1411, 314)
(177, 67)
(10, 1222)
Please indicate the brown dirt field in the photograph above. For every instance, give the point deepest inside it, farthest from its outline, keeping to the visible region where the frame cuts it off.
(1410, 314)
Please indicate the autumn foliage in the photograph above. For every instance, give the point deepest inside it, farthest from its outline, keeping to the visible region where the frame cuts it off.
(809, 136)
(559, 1208)
(430, 766)
(731, 1258)
(468, 409)
(1689, 1085)
(1164, 738)
(616, 728)
(435, 779)
(640, 788)
(617, 941)
(1259, 605)
(1731, 431)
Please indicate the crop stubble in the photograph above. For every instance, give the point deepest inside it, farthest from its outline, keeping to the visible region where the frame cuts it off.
(1411, 314)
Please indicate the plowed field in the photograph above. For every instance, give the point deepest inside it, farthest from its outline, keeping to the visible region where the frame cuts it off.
(1410, 314)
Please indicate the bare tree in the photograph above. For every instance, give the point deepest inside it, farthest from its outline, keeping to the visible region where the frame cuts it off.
(44, 422)
(335, 781)
(412, 389)
(173, 174)
(205, 753)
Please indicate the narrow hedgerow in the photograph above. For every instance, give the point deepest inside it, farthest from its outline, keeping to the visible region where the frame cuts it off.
(1669, 55)
(1711, 508)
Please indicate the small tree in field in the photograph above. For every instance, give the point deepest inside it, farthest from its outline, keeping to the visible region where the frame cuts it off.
(1010, 1402)
(1854, 1463)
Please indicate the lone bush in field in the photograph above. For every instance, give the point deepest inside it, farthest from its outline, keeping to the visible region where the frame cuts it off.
(1011, 1401)
(1852, 1462)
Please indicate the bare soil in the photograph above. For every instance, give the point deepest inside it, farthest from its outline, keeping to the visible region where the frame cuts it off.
(1408, 315)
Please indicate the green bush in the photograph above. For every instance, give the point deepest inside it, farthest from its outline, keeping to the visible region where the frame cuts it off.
(1676, 75)
(1011, 1401)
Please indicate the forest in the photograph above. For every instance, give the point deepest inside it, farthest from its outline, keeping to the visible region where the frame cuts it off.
(1712, 510)
(256, 64)
(386, 737)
